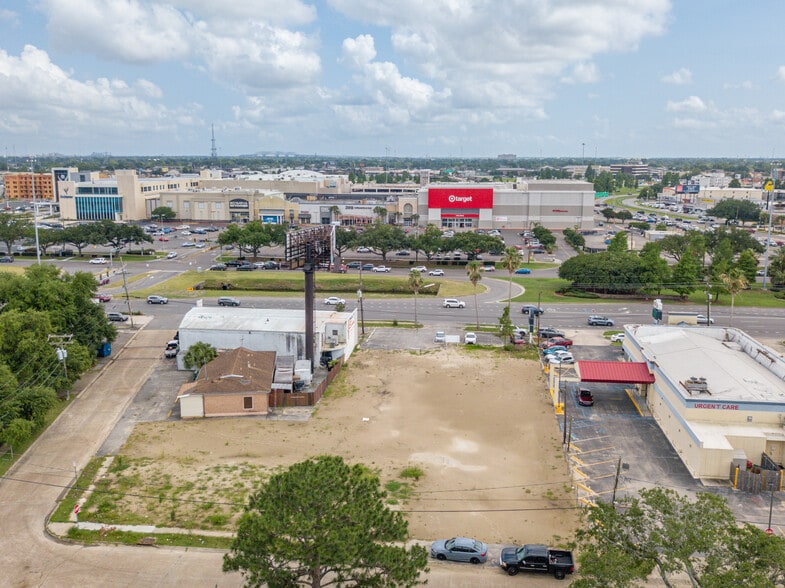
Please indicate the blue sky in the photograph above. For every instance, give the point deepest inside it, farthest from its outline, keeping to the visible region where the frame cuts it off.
(405, 78)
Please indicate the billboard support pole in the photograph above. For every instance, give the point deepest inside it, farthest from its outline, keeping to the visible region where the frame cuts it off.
(309, 269)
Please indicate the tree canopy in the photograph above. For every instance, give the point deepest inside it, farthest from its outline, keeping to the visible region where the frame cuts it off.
(671, 534)
(291, 534)
(381, 238)
(733, 209)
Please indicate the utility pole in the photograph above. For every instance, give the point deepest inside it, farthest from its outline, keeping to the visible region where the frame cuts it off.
(769, 189)
(616, 482)
(35, 210)
(59, 342)
(127, 298)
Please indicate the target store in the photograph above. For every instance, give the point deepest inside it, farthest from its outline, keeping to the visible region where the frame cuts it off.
(552, 203)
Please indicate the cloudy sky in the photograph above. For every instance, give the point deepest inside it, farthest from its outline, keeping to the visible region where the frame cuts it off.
(471, 78)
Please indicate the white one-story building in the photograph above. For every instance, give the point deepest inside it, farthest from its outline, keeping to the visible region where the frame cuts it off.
(718, 394)
(268, 329)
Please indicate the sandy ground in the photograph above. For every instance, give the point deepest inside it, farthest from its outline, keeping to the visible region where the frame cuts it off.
(477, 423)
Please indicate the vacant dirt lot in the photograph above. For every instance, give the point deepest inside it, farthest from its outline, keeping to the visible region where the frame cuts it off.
(478, 424)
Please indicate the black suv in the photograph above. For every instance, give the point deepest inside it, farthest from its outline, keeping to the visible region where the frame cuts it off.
(233, 263)
(530, 308)
(548, 332)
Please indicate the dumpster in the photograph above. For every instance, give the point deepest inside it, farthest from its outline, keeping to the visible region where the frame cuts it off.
(105, 349)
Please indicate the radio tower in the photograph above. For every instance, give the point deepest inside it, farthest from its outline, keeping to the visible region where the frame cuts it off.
(213, 148)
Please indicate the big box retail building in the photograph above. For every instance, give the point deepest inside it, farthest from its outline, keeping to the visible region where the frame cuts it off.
(556, 204)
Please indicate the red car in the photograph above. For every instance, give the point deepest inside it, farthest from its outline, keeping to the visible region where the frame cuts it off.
(556, 341)
(517, 339)
(163, 238)
(103, 297)
(585, 397)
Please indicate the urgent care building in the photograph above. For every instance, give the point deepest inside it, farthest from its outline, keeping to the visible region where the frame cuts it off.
(552, 203)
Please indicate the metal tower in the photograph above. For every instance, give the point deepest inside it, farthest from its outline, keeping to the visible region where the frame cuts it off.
(213, 148)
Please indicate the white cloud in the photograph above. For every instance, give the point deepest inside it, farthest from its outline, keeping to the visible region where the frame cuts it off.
(691, 104)
(583, 73)
(42, 96)
(680, 77)
(242, 42)
(744, 85)
(781, 72)
(507, 57)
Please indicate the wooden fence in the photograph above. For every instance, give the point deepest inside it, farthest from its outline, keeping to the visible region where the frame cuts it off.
(283, 398)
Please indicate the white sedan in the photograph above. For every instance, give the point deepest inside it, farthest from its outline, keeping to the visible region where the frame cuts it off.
(617, 338)
(436, 272)
(561, 357)
(420, 268)
(98, 260)
(470, 338)
(381, 268)
(334, 300)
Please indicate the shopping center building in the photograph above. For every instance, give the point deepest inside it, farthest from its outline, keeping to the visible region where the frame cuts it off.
(555, 204)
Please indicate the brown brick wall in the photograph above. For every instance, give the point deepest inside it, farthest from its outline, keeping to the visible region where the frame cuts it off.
(232, 404)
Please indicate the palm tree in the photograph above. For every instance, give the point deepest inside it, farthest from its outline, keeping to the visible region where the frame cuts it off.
(475, 275)
(198, 355)
(734, 282)
(511, 261)
(381, 212)
(415, 283)
(334, 212)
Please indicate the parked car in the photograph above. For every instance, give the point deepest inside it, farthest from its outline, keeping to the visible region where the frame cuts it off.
(617, 338)
(530, 308)
(6, 259)
(548, 332)
(363, 250)
(381, 269)
(188, 244)
(155, 299)
(518, 338)
(234, 263)
(440, 337)
(162, 238)
(334, 300)
(218, 267)
(186, 233)
(402, 253)
(460, 549)
(556, 341)
(551, 350)
(103, 281)
(702, 320)
(117, 316)
(367, 267)
(103, 297)
(470, 338)
(228, 301)
(596, 320)
(561, 357)
(537, 558)
(183, 227)
(488, 268)
(171, 255)
(354, 265)
(585, 397)
(246, 267)
(172, 348)
(98, 261)
(453, 303)
(436, 272)
(420, 268)
(523, 270)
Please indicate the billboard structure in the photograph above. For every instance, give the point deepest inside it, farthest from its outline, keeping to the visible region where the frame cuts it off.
(307, 248)
(467, 198)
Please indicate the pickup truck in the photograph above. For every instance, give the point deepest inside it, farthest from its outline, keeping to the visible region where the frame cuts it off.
(172, 348)
(537, 558)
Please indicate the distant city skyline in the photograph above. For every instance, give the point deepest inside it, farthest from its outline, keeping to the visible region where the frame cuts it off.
(546, 78)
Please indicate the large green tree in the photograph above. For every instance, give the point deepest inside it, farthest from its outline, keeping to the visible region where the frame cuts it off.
(675, 535)
(737, 210)
(255, 235)
(199, 354)
(164, 213)
(324, 522)
(655, 271)
(686, 275)
(12, 228)
(382, 238)
(429, 241)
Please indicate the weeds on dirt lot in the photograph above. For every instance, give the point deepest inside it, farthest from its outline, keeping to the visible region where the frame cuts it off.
(340, 387)
(63, 510)
(129, 538)
(413, 472)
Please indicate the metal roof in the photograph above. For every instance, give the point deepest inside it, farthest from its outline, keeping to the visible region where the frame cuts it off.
(617, 372)
(276, 320)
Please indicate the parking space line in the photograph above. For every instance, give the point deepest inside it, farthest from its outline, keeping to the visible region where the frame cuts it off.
(613, 461)
(576, 460)
(634, 403)
(596, 450)
(587, 502)
(617, 490)
(586, 489)
(595, 438)
(579, 472)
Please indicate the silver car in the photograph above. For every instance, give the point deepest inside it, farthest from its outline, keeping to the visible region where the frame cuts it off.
(440, 337)
(460, 549)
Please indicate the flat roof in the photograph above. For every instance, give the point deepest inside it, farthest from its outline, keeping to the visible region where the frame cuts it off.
(735, 366)
(274, 320)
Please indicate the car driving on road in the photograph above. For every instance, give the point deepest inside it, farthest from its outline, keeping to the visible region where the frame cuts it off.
(381, 268)
(228, 301)
(436, 272)
(596, 320)
(333, 300)
(453, 303)
(155, 299)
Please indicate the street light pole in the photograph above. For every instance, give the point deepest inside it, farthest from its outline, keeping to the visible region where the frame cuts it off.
(35, 210)
(768, 236)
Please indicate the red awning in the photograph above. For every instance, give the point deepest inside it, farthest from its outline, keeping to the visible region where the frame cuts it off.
(616, 372)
